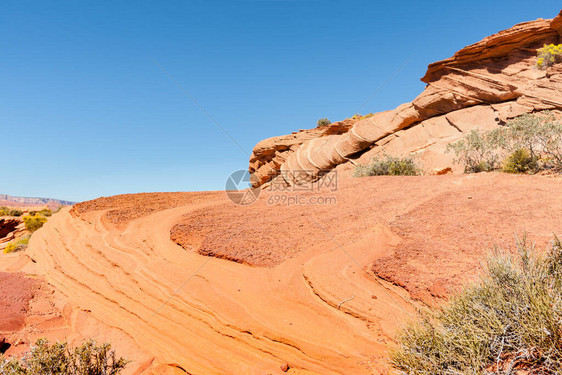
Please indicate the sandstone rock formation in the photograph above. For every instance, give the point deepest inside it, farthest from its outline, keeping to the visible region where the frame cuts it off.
(269, 154)
(10, 230)
(481, 86)
(260, 289)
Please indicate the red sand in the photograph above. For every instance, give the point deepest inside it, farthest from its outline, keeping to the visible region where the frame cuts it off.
(15, 293)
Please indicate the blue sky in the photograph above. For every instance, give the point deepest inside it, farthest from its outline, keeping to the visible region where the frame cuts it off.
(85, 110)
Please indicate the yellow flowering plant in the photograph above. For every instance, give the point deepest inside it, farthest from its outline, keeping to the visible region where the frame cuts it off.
(549, 55)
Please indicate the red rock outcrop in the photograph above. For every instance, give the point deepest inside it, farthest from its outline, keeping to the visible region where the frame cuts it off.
(11, 228)
(482, 86)
(269, 154)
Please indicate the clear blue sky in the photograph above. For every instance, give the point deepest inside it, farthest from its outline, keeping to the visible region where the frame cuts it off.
(85, 112)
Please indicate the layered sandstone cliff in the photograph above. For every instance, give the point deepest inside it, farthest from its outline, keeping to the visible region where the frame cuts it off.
(482, 86)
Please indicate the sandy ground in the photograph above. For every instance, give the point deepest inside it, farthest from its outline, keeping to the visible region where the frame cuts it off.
(300, 288)
(15, 293)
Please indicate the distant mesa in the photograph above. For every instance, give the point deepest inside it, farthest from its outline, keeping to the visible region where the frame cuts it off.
(9, 200)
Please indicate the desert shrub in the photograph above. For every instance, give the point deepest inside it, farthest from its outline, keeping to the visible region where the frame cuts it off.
(46, 212)
(10, 248)
(388, 166)
(58, 359)
(32, 223)
(520, 161)
(18, 245)
(478, 151)
(323, 122)
(510, 319)
(540, 134)
(14, 212)
(6, 211)
(549, 55)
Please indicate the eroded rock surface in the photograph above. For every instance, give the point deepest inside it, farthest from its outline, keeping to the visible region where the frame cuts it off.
(11, 228)
(319, 288)
(482, 86)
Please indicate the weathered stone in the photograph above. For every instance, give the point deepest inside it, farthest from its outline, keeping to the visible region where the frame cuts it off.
(483, 86)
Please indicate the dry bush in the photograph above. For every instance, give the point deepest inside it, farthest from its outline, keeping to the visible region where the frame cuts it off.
(323, 122)
(510, 319)
(478, 151)
(58, 359)
(388, 166)
(528, 143)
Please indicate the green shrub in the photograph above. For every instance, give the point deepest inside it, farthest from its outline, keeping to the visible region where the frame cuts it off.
(18, 245)
(32, 223)
(389, 166)
(323, 122)
(15, 212)
(6, 211)
(510, 319)
(540, 135)
(478, 151)
(549, 55)
(520, 161)
(58, 359)
(46, 212)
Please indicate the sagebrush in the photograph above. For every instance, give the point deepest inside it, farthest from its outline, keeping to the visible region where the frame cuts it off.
(323, 122)
(388, 166)
(59, 359)
(509, 320)
(526, 144)
(6, 211)
(477, 151)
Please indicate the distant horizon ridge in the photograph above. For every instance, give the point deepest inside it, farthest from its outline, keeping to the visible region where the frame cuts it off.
(34, 200)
